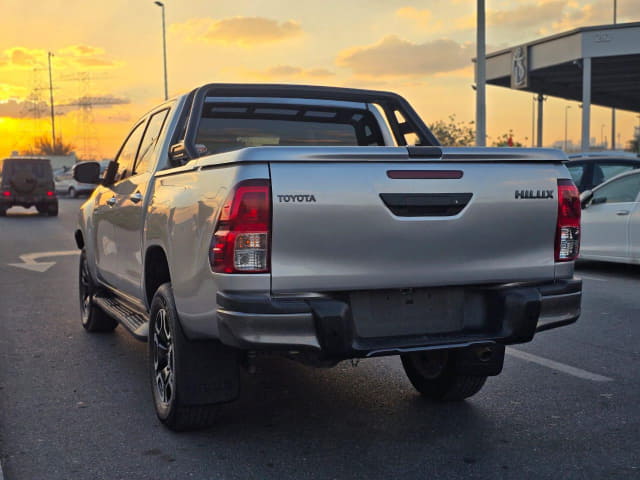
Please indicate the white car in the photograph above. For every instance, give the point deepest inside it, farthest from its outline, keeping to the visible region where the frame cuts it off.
(611, 220)
(66, 184)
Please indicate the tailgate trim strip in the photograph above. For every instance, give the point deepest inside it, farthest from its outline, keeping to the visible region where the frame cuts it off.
(425, 174)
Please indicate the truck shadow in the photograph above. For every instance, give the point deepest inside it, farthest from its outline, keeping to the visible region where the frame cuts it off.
(608, 268)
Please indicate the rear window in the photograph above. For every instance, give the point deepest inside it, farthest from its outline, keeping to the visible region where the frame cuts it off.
(39, 168)
(227, 127)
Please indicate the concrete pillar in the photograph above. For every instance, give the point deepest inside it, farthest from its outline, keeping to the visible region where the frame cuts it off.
(613, 129)
(481, 75)
(540, 119)
(586, 103)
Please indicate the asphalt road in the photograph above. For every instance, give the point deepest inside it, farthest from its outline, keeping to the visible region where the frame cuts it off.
(78, 406)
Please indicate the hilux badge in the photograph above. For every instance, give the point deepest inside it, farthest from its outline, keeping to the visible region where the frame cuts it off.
(532, 194)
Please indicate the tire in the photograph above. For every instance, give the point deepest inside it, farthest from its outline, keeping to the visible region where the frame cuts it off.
(179, 367)
(73, 193)
(92, 317)
(52, 210)
(3, 212)
(24, 181)
(432, 374)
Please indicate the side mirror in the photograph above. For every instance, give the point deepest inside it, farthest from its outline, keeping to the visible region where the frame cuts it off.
(599, 200)
(585, 198)
(87, 172)
(178, 154)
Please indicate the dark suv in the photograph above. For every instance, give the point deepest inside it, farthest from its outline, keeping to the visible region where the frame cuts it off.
(26, 182)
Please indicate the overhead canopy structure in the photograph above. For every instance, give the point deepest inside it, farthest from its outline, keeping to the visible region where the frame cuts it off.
(593, 65)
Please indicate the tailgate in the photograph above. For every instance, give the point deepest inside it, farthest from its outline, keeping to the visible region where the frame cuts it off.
(342, 226)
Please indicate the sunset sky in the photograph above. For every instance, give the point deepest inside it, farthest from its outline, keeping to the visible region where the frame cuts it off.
(112, 52)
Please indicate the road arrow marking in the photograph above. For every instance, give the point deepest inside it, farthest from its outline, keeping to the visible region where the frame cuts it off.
(30, 260)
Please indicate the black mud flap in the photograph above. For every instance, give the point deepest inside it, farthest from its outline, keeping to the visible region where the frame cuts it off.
(210, 372)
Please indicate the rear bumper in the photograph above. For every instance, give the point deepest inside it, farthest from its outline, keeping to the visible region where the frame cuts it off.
(26, 201)
(505, 314)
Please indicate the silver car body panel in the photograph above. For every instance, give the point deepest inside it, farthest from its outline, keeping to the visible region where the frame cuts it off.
(181, 219)
(348, 239)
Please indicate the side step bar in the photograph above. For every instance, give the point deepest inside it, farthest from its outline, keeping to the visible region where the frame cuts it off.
(135, 322)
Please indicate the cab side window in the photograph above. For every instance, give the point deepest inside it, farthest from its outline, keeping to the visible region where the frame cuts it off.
(621, 190)
(149, 141)
(127, 155)
(611, 170)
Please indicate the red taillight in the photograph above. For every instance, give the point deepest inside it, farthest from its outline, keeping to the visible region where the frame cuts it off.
(240, 241)
(568, 225)
(51, 194)
(6, 193)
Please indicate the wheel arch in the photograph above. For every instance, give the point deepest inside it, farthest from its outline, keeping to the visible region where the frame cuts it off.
(156, 271)
(79, 238)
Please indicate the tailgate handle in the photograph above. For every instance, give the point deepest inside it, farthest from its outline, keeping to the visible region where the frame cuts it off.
(425, 204)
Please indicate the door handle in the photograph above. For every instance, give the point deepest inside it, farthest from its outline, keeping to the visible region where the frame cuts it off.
(622, 212)
(136, 197)
(112, 201)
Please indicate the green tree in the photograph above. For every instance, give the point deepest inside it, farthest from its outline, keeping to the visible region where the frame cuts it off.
(453, 133)
(43, 146)
(503, 140)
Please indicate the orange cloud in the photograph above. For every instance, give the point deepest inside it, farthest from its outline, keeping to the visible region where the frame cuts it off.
(243, 31)
(23, 58)
(529, 15)
(95, 101)
(75, 56)
(85, 57)
(21, 109)
(396, 57)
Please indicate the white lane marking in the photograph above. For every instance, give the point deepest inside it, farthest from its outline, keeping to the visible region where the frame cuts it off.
(30, 260)
(591, 277)
(560, 367)
(1, 474)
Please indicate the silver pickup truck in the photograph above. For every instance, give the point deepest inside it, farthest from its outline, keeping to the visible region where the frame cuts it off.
(298, 221)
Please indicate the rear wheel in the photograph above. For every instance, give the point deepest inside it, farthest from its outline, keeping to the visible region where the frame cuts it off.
(93, 318)
(188, 378)
(432, 374)
(52, 210)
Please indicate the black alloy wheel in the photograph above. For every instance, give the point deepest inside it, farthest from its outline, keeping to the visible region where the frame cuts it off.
(163, 358)
(92, 317)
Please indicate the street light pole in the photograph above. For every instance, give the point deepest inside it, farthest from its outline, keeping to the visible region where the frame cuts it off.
(164, 50)
(53, 120)
(613, 110)
(566, 109)
(533, 120)
(481, 114)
